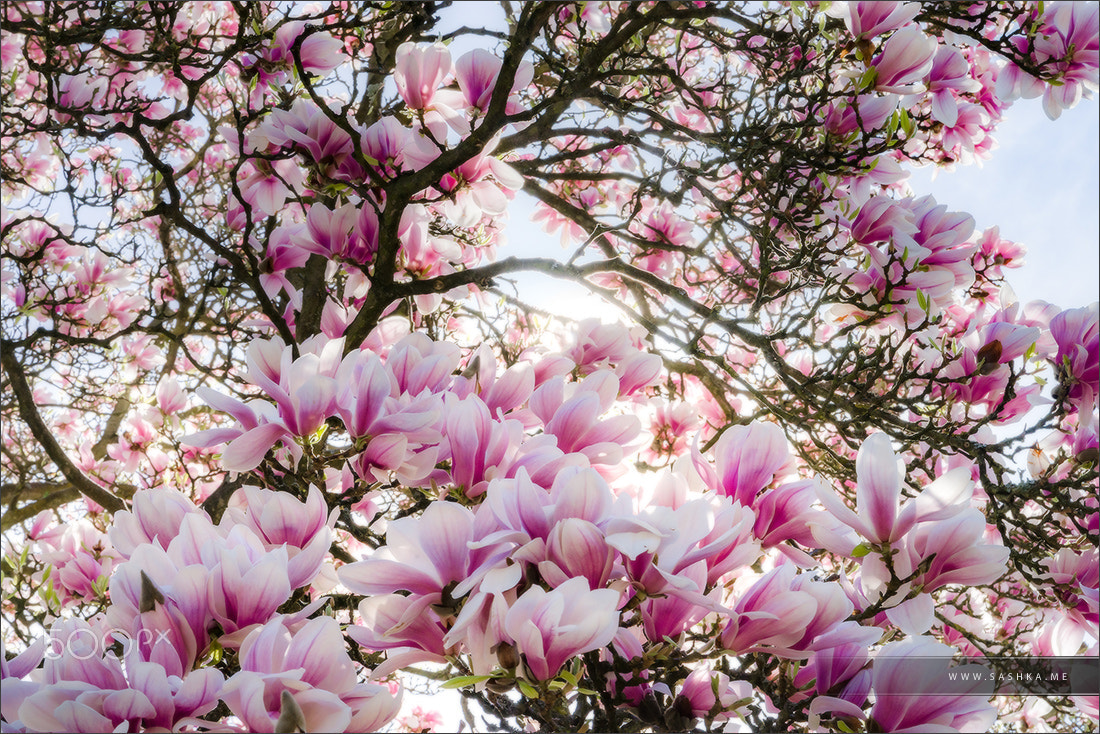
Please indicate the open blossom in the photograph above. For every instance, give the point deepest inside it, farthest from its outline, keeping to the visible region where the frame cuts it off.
(393, 451)
(1077, 332)
(905, 59)
(950, 74)
(771, 615)
(710, 694)
(155, 517)
(247, 582)
(1067, 49)
(880, 517)
(1079, 576)
(747, 459)
(310, 666)
(280, 520)
(476, 73)
(419, 72)
(549, 627)
(870, 19)
(914, 693)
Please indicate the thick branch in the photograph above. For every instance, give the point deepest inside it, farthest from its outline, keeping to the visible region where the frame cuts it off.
(29, 413)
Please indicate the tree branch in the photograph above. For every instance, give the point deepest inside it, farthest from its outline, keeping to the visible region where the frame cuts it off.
(29, 413)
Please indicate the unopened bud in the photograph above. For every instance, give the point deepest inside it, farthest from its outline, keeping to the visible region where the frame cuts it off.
(866, 48)
(680, 714)
(649, 709)
(989, 358)
(291, 719)
(1088, 456)
(507, 656)
(150, 595)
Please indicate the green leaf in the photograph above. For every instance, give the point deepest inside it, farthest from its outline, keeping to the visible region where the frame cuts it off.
(527, 689)
(868, 79)
(462, 681)
(860, 550)
(922, 300)
(905, 122)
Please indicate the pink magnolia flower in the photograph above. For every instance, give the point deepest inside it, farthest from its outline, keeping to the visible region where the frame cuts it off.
(319, 52)
(873, 111)
(518, 510)
(710, 694)
(419, 71)
(501, 393)
(427, 556)
(482, 186)
(304, 392)
(177, 579)
(1077, 332)
(478, 444)
(577, 548)
(596, 345)
(170, 396)
(681, 606)
(477, 71)
(1078, 575)
(548, 628)
(996, 253)
(349, 233)
(266, 185)
(882, 219)
(1069, 45)
(81, 707)
(155, 517)
(870, 19)
(385, 142)
(311, 130)
(904, 61)
(247, 582)
(417, 363)
(913, 691)
(281, 520)
(837, 663)
(81, 559)
(81, 91)
(950, 74)
(311, 666)
(84, 687)
(660, 543)
(574, 419)
(958, 556)
(746, 460)
(405, 625)
(175, 699)
(976, 374)
(770, 616)
(785, 513)
(879, 518)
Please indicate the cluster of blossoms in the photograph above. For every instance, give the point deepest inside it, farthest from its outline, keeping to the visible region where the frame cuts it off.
(325, 447)
(553, 562)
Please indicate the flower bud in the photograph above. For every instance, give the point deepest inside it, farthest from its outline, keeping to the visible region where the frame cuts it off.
(507, 656)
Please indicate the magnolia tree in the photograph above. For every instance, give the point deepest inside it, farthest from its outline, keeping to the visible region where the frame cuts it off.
(285, 439)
